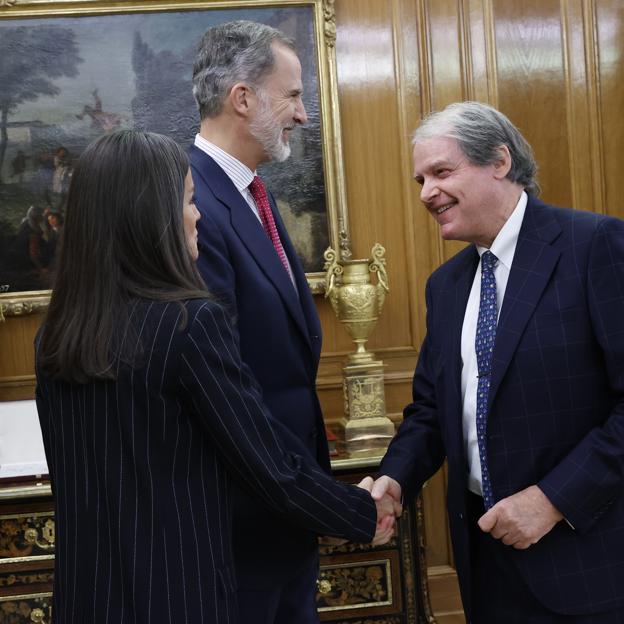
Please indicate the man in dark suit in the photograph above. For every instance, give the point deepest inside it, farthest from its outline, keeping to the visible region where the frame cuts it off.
(519, 382)
(247, 83)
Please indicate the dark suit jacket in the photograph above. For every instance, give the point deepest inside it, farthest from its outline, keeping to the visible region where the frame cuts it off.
(142, 470)
(280, 338)
(556, 402)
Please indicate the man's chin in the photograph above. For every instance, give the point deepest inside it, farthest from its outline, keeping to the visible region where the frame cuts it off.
(282, 154)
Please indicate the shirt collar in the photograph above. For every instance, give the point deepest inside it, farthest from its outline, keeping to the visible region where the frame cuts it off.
(240, 174)
(504, 245)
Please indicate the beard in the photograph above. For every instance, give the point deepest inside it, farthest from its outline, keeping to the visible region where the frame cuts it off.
(268, 130)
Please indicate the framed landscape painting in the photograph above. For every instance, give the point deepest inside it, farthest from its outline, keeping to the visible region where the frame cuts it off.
(73, 70)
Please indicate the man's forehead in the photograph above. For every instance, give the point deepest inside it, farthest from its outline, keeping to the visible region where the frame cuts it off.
(435, 151)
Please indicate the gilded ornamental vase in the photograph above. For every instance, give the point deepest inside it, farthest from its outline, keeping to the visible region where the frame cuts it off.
(357, 303)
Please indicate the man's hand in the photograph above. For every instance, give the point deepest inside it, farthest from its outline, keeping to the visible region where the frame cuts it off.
(522, 519)
(388, 486)
(385, 513)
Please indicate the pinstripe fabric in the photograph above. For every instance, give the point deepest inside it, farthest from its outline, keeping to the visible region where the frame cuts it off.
(142, 470)
(556, 404)
(280, 340)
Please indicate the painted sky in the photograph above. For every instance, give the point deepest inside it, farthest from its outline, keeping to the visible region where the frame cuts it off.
(105, 45)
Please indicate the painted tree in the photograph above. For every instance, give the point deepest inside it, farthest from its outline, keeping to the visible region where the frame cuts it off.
(164, 100)
(31, 57)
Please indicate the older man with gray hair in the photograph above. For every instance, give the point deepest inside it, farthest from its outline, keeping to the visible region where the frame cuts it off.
(248, 87)
(519, 383)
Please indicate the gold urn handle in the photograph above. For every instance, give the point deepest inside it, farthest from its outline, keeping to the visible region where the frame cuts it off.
(332, 270)
(378, 265)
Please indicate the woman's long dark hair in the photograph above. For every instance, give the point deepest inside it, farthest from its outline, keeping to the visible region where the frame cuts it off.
(123, 241)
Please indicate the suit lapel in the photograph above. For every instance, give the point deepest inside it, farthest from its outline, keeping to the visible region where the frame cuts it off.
(252, 235)
(534, 261)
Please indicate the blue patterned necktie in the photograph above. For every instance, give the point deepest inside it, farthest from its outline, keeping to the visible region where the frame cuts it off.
(484, 346)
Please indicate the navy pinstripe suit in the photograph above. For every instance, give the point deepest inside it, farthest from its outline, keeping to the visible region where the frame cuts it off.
(280, 341)
(556, 401)
(142, 470)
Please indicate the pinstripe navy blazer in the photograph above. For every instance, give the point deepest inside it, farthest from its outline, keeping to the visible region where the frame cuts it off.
(280, 341)
(142, 470)
(556, 415)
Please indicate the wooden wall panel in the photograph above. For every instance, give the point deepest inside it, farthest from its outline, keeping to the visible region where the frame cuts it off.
(609, 16)
(531, 85)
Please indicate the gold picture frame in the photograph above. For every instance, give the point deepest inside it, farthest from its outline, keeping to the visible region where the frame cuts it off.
(318, 53)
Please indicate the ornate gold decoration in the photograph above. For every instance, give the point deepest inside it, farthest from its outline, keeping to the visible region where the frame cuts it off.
(38, 616)
(356, 585)
(324, 586)
(355, 300)
(25, 609)
(329, 15)
(24, 579)
(20, 537)
(7, 2)
(31, 535)
(27, 303)
(357, 303)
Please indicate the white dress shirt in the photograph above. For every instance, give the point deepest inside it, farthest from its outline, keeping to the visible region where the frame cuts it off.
(503, 247)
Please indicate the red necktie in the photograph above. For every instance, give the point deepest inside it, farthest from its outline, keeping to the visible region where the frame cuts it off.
(258, 192)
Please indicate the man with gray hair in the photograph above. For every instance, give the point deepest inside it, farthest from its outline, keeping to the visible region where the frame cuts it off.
(519, 383)
(247, 84)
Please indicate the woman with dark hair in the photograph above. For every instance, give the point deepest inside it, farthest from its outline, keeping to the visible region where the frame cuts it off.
(148, 413)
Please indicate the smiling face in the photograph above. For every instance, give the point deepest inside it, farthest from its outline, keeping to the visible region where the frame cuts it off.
(279, 106)
(191, 216)
(470, 203)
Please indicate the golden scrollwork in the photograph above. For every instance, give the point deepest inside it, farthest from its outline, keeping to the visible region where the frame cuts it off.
(7, 2)
(378, 265)
(329, 16)
(31, 535)
(28, 303)
(366, 397)
(332, 270)
(26, 536)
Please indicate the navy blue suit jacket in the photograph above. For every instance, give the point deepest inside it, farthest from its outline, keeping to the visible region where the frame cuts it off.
(143, 469)
(280, 340)
(556, 414)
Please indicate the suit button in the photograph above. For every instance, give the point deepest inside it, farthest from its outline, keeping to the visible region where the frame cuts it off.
(461, 516)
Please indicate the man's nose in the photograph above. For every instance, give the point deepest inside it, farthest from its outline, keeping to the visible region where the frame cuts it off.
(428, 191)
(301, 116)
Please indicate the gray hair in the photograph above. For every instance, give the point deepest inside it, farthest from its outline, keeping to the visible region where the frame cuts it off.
(480, 130)
(229, 53)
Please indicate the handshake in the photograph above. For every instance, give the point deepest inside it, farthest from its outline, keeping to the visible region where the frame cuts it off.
(386, 493)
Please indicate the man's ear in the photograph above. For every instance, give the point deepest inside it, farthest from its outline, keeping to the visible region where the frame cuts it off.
(241, 98)
(503, 164)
